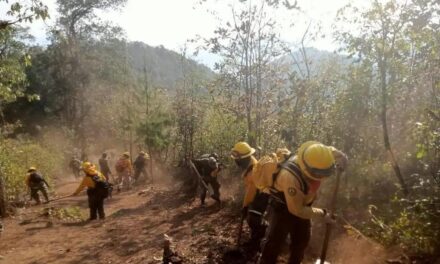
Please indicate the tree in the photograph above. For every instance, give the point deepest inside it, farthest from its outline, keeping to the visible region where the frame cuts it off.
(13, 62)
(73, 38)
(23, 11)
(249, 45)
(380, 42)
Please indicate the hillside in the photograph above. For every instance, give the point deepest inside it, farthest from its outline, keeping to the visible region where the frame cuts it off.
(134, 228)
(164, 67)
(317, 59)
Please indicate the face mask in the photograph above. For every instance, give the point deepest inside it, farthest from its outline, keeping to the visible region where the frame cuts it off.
(243, 163)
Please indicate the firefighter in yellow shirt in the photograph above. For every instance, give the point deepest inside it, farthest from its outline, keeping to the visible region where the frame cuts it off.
(96, 194)
(293, 191)
(255, 201)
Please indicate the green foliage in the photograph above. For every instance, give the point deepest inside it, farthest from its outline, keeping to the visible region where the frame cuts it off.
(214, 134)
(16, 156)
(67, 213)
(13, 62)
(156, 131)
(23, 11)
(414, 226)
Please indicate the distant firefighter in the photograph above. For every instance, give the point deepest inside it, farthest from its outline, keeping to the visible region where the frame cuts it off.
(124, 170)
(75, 166)
(208, 167)
(36, 183)
(140, 165)
(104, 167)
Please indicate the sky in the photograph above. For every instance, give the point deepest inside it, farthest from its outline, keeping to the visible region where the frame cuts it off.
(172, 22)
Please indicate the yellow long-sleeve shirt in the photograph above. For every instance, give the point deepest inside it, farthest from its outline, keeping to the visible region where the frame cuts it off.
(250, 188)
(88, 182)
(297, 202)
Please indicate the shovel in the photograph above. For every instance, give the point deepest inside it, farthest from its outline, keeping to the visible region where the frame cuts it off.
(240, 230)
(328, 227)
(236, 252)
(207, 187)
(60, 198)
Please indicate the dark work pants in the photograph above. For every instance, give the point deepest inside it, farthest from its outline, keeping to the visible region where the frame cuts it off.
(138, 172)
(255, 217)
(106, 175)
(39, 188)
(76, 172)
(96, 205)
(282, 223)
(215, 187)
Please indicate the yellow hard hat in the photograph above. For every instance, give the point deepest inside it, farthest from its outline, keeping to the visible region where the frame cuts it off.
(126, 154)
(88, 168)
(32, 169)
(241, 150)
(282, 154)
(316, 160)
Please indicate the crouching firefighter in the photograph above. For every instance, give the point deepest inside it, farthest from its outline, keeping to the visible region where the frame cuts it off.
(255, 201)
(293, 188)
(97, 190)
(208, 167)
(36, 183)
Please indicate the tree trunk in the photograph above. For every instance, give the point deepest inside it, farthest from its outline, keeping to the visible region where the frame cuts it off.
(3, 201)
(151, 164)
(386, 138)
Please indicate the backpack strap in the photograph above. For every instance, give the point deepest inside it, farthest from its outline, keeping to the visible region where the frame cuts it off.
(297, 173)
(293, 168)
(248, 170)
(279, 166)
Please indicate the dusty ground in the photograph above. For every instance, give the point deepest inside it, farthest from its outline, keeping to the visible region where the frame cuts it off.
(134, 228)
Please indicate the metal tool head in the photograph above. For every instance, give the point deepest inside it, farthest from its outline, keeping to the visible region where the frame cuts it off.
(318, 261)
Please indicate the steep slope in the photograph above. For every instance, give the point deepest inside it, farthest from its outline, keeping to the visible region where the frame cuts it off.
(133, 232)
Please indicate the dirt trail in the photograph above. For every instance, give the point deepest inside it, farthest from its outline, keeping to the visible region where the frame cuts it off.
(132, 232)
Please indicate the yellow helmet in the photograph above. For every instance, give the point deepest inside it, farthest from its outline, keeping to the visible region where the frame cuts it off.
(316, 160)
(282, 154)
(88, 168)
(242, 150)
(126, 154)
(31, 169)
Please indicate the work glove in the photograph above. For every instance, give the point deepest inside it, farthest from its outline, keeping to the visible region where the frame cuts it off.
(329, 218)
(244, 211)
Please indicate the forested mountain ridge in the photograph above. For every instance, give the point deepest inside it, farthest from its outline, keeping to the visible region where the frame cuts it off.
(164, 67)
(135, 64)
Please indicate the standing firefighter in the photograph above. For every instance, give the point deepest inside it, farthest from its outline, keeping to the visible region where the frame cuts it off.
(208, 167)
(255, 201)
(104, 167)
(140, 166)
(75, 166)
(97, 190)
(293, 189)
(36, 182)
(124, 170)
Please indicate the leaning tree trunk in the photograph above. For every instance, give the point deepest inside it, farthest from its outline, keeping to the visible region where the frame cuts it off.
(386, 138)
